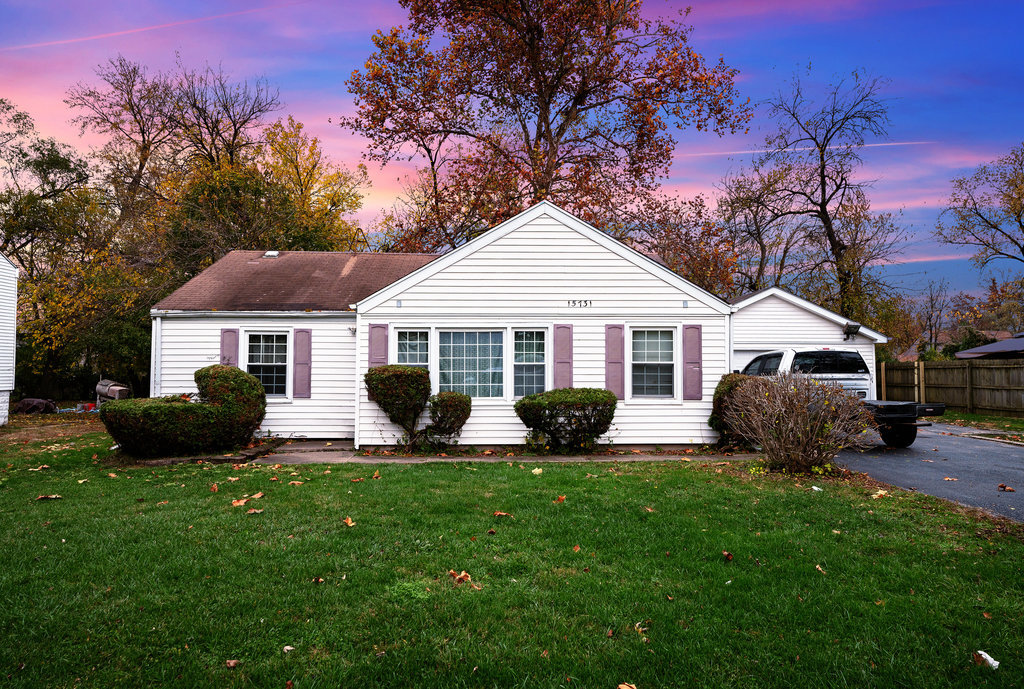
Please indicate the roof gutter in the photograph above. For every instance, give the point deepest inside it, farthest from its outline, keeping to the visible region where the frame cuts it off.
(169, 313)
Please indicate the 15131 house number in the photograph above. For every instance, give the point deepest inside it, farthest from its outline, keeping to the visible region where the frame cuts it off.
(580, 303)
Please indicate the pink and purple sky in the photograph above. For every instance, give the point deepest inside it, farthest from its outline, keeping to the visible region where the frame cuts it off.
(956, 70)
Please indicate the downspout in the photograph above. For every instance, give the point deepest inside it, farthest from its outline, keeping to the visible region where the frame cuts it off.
(357, 406)
(155, 357)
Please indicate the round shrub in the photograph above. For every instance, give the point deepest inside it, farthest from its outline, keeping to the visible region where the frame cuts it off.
(231, 407)
(721, 401)
(800, 423)
(401, 392)
(449, 412)
(571, 419)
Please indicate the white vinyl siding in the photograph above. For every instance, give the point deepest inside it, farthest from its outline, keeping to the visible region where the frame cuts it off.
(192, 342)
(529, 279)
(8, 316)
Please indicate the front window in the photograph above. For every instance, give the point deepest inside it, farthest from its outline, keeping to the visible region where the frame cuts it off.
(412, 348)
(528, 365)
(653, 363)
(268, 361)
(471, 363)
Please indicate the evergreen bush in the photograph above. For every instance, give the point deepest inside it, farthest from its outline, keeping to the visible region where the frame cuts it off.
(571, 419)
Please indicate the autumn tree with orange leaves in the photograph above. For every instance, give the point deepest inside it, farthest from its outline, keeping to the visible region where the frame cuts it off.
(505, 103)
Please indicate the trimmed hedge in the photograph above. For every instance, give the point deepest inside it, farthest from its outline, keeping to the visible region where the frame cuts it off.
(403, 392)
(724, 393)
(449, 412)
(231, 407)
(571, 419)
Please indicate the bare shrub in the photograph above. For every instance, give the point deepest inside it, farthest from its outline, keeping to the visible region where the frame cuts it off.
(800, 423)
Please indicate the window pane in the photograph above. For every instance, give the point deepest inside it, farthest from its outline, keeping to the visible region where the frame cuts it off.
(268, 361)
(528, 367)
(471, 363)
(413, 349)
(652, 380)
(652, 346)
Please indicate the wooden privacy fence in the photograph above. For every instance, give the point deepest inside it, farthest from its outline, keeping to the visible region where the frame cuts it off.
(974, 386)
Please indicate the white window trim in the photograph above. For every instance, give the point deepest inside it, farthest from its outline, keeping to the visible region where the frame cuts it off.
(676, 358)
(508, 354)
(243, 358)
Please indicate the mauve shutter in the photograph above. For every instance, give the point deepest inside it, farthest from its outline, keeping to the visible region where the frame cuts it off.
(302, 383)
(615, 359)
(563, 356)
(229, 347)
(693, 375)
(378, 344)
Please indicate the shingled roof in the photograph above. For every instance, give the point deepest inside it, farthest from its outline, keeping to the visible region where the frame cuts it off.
(292, 281)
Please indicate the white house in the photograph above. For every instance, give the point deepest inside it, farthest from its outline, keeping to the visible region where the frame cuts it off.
(776, 319)
(8, 317)
(541, 301)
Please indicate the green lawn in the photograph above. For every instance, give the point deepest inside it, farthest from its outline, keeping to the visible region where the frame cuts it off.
(988, 421)
(148, 578)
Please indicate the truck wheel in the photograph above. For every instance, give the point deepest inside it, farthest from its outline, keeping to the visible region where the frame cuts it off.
(898, 436)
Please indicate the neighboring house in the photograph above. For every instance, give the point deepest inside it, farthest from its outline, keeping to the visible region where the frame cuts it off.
(1009, 348)
(8, 318)
(541, 301)
(776, 319)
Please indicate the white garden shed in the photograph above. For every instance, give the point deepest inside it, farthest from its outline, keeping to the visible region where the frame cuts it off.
(542, 301)
(8, 320)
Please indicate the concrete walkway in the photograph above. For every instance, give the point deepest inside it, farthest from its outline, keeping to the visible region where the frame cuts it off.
(341, 452)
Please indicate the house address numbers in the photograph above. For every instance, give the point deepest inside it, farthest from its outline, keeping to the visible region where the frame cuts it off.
(580, 303)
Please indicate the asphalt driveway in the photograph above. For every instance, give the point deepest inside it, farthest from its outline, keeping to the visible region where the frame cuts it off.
(944, 452)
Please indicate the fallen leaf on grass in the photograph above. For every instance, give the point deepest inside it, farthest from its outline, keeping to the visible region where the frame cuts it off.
(347, 521)
(626, 685)
(475, 587)
(257, 496)
(231, 663)
(239, 502)
(163, 502)
(295, 483)
(274, 478)
(357, 480)
(880, 494)
(950, 479)
(214, 488)
(376, 474)
(41, 467)
(818, 567)
(987, 615)
(575, 549)
(727, 555)
(649, 509)
(288, 649)
(538, 471)
(49, 497)
(112, 475)
(560, 498)
(491, 532)
(460, 578)
(253, 510)
(316, 580)
(544, 653)
(982, 658)
(234, 478)
(83, 480)
(502, 514)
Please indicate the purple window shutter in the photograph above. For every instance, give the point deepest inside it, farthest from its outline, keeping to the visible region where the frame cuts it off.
(378, 344)
(229, 347)
(302, 383)
(615, 359)
(693, 375)
(563, 356)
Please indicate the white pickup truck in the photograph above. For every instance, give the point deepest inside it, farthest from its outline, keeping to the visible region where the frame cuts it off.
(897, 421)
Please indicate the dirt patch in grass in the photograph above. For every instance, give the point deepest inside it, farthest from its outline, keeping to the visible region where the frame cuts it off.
(33, 427)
